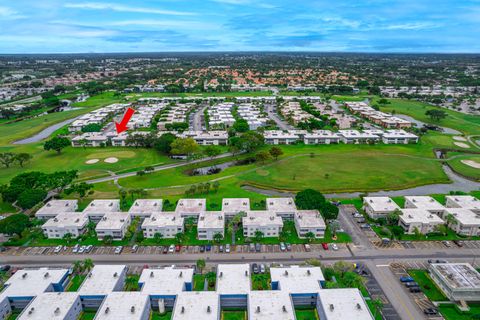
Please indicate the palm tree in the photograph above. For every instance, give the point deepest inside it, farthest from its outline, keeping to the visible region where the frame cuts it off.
(77, 267)
(201, 264)
(217, 237)
(235, 223)
(88, 264)
(179, 237)
(158, 237)
(210, 277)
(131, 283)
(310, 236)
(258, 235)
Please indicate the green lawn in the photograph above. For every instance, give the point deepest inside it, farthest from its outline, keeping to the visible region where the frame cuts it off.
(462, 168)
(131, 283)
(306, 314)
(88, 315)
(234, 315)
(451, 312)
(75, 283)
(427, 285)
(14, 315)
(261, 281)
(156, 316)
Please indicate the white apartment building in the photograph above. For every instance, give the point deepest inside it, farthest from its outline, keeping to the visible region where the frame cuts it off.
(466, 202)
(280, 137)
(379, 207)
(98, 208)
(144, 208)
(458, 281)
(418, 219)
(321, 137)
(53, 305)
(168, 224)
(114, 224)
(282, 207)
(211, 223)
(266, 222)
(73, 223)
(232, 206)
(125, 305)
(253, 115)
(426, 203)
(55, 207)
(398, 136)
(307, 221)
(98, 116)
(220, 115)
(357, 137)
(466, 222)
(191, 207)
(207, 138)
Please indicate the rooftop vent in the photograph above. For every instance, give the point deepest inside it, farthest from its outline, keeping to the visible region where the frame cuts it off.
(181, 274)
(308, 272)
(332, 307)
(183, 309)
(286, 273)
(115, 275)
(246, 273)
(132, 309)
(359, 307)
(46, 275)
(24, 275)
(208, 309)
(57, 310)
(107, 309)
(111, 204)
(151, 274)
(284, 309)
(258, 309)
(49, 205)
(31, 310)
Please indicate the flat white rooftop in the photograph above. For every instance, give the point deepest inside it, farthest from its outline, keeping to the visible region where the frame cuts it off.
(123, 306)
(465, 217)
(103, 206)
(163, 219)
(235, 205)
(211, 220)
(342, 304)
(143, 207)
(191, 206)
(281, 205)
(67, 220)
(165, 281)
(50, 305)
(267, 305)
(198, 305)
(467, 202)
(32, 282)
(262, 218)
(381, 204)
(102, 280)
(309, 219)
(113, 221)
(233, 278)
(424, 202)
(298, 279)
(419, 216)
(458, 275)
(58, 206)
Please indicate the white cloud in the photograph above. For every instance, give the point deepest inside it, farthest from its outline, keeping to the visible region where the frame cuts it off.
(122, 8)
(177, 24)
(412, 26)
(9, 14)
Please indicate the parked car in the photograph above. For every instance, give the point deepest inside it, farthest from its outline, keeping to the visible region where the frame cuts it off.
(88, 248)
(118, 250)
(334, 246)
(258, 247)
(251, 247)
(220, 248)
(82, 249)
(447, 243)
(208, 247)
(5, 267)
(307, 248)
(282, 246)
(430, 311)
(441, 261)
(57, 249)
(406, 279)
(135, 248)
(415, 289)
(165, 250)
(171, 249)
(255, 268)
(262, 268)
(3, 249)
(325, 246)
(202, 248)
(227, 248)
(458, 243)
(75, 248)
(411, 284)
(178, 248)
(289, 246)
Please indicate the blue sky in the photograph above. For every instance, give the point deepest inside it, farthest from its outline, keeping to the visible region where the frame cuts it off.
(63, 26)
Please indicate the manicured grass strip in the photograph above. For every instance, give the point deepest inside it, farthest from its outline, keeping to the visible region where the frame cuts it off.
(427, 285)
(156, 316)
(306, 314)
(87, 315)
(261, 281)
(451, 312)
(75, 283)
(131, 282)
(234, 315)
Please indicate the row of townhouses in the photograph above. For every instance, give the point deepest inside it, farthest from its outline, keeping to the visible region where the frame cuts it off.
(380, 118)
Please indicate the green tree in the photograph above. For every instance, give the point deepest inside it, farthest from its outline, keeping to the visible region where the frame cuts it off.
(81, 189)
(179, 237)
(164, 143)
(215, 186)
(186, 146)
(310, 236)
(342, 267)
(241, 125)
(56, 144)
(218, 237)
(436, 114)
(23, 158)
(30, 197)
(377, 306)
(14, 224)
(158, 237)
(108, 240)
(309, 199)
(68, 237)
(88, 264)
(7, 158)
(201, 265)
(77, 267)
(263, 156)
(212, 151)
(211, 277)
(258, 235)
(276, 152)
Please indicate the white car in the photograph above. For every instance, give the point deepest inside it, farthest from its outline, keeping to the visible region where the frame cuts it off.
(75, 248)
(171, 249)
(334, 247)
(82, 249)
(57, 249)
(227, 248)
(118, 250)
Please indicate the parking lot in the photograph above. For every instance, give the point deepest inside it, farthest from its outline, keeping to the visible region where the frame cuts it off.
(107, 250)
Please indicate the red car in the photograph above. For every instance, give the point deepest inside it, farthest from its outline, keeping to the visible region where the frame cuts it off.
(325, 246)
(178, 248)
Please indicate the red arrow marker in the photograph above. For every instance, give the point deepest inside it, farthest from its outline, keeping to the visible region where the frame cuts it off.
(122, 126)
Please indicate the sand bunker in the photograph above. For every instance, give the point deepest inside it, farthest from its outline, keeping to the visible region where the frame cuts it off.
(92, 161)
(461, 145)
(471, 163)
(458, 138)
(111, 160)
